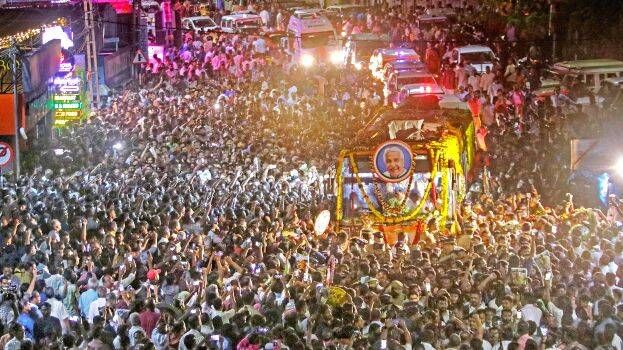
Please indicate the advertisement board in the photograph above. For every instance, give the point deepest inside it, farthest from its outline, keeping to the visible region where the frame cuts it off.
(69, 98)
(39, 67)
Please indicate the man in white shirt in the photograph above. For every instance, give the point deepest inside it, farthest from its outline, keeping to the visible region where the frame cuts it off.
(97, 305)
(265, 15)
(57, 309)
(259, 46)
(531, 312)
(486, 80)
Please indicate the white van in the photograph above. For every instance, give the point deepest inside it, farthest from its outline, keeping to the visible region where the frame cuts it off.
(590, 72)
(199, 24)
(312, 38)
(478, 56)
(246, 23)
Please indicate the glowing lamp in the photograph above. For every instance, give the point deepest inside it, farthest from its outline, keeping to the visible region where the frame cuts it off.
(307, 60)
(336, 57)
(618, 167)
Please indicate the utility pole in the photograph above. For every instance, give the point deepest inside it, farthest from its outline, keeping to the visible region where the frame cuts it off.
(551, 30)
(16, 159)
(93, 83)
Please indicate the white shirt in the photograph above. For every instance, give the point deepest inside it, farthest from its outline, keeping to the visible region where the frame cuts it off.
(531, 313)
(57, 309)
(427, 346)
(617, 343)
(259, 45)
(265, 16)
(504, 345)
(94, 309)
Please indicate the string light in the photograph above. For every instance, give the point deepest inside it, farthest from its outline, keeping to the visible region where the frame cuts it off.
(7, 41)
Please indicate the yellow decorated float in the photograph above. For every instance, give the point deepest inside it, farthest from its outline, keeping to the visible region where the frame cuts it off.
(407, 166)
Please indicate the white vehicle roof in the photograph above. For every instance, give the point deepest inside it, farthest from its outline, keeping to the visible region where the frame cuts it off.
(309, 22)
(589, 64)
(242, 12)
(307, 11)
(618, 81)
(195, 18)
(242, 16)
(473, 48)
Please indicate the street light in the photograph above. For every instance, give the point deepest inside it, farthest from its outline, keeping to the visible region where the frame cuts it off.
(337, 57)
(307, 60)
(618, 166)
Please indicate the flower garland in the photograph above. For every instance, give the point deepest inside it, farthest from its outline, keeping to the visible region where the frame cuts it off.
(433, 155)
(393, 209)
(445, 191)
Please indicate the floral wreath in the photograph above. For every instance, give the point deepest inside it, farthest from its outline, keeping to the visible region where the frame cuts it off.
(396, 211)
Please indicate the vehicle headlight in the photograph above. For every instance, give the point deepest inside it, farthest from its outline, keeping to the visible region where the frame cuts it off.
(307, 60)
(337, 57)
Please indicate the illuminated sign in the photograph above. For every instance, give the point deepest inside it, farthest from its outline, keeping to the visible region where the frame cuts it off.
(68, 98)
(68, 115)
(75, 105)
(65, 67)
(69, 89)
(64, 98)
(67, 81)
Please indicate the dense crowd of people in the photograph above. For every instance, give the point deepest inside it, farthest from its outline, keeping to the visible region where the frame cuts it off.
(181, 216)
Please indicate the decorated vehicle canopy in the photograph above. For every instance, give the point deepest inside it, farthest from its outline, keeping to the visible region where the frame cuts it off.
(407, 166)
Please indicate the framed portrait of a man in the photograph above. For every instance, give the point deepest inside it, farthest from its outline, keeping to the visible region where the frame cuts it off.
(393, 161)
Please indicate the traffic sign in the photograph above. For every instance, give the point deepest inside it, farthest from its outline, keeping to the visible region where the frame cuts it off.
(139, 57)
(6, 154)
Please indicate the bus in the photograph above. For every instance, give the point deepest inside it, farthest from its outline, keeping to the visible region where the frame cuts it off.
(591, 72)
